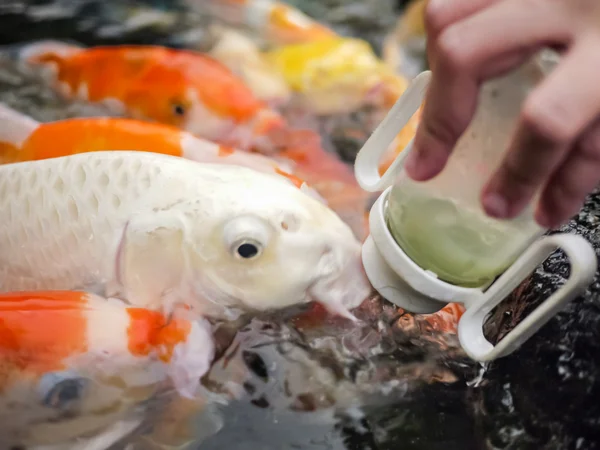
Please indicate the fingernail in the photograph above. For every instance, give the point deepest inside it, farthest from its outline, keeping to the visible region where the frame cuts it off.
(495, 205)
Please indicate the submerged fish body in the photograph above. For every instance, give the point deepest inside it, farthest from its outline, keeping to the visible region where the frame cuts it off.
(74, 364)
(162, 232)
(244, 58)
(24, 139)
(336, 75)
(181, 88)
(275, 22)
(404, 48)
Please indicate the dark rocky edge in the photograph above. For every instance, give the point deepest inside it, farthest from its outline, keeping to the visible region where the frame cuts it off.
(549, 388)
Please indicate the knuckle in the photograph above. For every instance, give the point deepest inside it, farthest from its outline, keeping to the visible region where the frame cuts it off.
(452, 49)
(435, 17)
(548, 120)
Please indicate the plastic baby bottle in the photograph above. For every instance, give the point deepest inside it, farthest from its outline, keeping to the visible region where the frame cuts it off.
(440, 223)
(432, 243)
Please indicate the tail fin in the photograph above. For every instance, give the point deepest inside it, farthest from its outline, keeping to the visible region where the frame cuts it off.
(15, 128)
(42, 51)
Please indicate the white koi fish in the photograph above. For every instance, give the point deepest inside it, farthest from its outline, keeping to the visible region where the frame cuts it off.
(160, 232)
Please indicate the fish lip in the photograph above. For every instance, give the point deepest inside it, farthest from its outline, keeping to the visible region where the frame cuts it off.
(344, 290)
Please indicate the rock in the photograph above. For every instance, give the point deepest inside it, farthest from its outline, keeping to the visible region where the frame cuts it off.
(97, 22)
(364, 19)
(544, 396)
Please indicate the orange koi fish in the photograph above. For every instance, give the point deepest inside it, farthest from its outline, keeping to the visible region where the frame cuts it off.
(444, 321)
(74, 363)
(400, 142)
(181, 88)
(24, 139)
(274, 21)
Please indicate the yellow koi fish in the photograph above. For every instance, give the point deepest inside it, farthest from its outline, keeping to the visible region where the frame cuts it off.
(336, 75)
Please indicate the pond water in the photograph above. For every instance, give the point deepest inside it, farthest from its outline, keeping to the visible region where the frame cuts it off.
(316, 383)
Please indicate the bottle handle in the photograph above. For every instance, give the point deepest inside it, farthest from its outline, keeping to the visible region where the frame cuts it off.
(583, 263)
(366, 167)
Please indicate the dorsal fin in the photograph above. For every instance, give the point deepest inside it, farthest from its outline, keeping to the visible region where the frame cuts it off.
(38, 49)
(15, 128)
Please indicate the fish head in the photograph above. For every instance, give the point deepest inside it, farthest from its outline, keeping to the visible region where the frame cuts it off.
(271, 245)
(202, 96)
(163, 95)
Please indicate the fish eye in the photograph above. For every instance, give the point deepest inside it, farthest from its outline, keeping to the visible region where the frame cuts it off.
(61, 390)
(248, 249)
(246, 237)
(178, 109)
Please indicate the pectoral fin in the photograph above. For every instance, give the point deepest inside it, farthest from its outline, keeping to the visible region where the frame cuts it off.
(150, 259)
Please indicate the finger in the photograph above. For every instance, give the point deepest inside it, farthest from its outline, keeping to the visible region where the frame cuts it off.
(441, 13)
(554, 115)
(568, 187)
(462, 59)
(503, 28)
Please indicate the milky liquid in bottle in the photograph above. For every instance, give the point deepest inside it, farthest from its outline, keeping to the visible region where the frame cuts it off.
(460, 245)
(440, 223)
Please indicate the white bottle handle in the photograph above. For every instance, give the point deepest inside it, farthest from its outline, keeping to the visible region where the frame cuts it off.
(366, 166)
(583, 263)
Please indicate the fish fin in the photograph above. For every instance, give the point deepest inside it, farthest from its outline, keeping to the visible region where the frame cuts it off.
(104, 439)
(337, 309)
(15, 129)
(192, 359)
(150, 259)
(47, 50)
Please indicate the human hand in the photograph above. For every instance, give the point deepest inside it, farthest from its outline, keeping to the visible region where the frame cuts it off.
(556, 146)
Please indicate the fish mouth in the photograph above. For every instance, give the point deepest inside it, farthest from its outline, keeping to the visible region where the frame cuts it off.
(344, 291)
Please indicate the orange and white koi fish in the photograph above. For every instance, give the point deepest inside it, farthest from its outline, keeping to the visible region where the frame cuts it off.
(73, 364)
(162, 232)
(24, 139)
(274, 21)
(181, 88)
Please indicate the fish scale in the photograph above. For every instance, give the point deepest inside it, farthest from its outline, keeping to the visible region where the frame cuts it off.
(63, 217)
